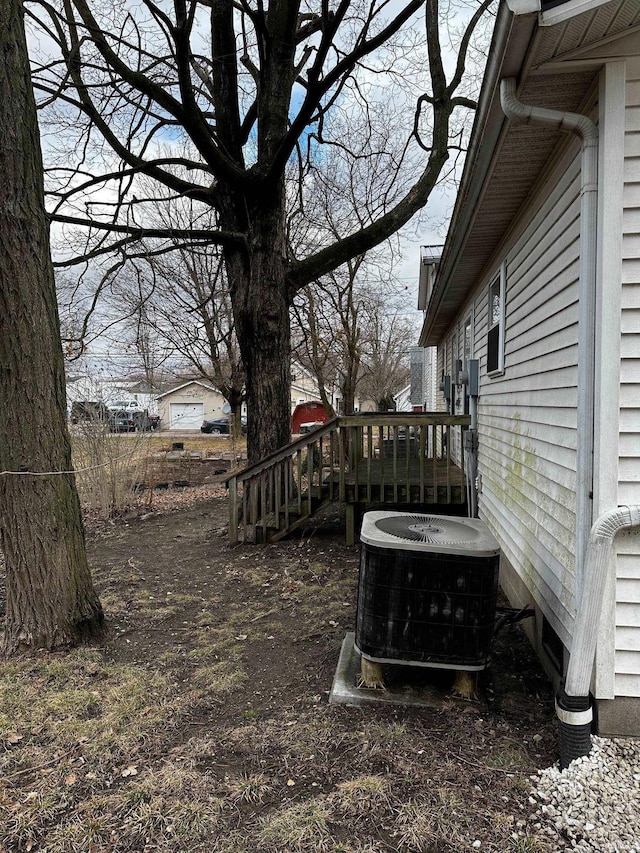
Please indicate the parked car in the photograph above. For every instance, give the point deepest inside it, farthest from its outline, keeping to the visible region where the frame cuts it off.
(220, 426)
(121, 421)
(125, 405)
(88, 410)
(144, 422)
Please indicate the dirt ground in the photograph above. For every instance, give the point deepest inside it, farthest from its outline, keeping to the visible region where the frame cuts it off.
(202, 723)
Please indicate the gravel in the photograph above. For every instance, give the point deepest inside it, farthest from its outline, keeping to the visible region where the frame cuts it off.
(593, 805)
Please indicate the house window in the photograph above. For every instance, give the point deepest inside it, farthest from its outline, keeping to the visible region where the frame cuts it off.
(467, 346)
(495, 335)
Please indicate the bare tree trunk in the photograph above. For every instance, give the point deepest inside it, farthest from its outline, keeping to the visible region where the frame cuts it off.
(235, 398)
(50, 597)
(265, 343)
(259, 293)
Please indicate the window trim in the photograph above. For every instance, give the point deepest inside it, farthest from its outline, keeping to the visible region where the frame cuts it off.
(501, 275)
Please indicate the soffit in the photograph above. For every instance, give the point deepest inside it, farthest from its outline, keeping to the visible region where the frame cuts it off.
(585, 30)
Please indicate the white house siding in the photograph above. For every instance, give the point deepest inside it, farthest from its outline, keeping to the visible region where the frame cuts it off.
(527, 415)
(627, 655)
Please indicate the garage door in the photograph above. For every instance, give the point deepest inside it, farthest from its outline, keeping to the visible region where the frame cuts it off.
(186, 415)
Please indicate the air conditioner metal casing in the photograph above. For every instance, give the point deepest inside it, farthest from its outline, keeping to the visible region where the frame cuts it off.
(427, 590)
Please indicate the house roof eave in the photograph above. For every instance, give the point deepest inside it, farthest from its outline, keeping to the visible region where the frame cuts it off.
(185, 385)
(507, 160)
(511, 39)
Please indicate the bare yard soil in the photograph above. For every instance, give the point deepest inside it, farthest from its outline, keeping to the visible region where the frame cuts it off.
(202, 722)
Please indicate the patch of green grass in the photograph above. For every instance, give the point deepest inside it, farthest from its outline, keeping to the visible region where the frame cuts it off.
(76, 723)
(222, 677)
(508, 757)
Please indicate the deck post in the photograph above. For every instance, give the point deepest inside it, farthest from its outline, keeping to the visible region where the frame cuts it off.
(233, 511)
(354, 519)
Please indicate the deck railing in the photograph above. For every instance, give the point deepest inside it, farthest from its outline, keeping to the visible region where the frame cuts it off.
(394, 458)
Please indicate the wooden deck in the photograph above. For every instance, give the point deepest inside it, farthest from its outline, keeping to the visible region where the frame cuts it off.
(410, 460)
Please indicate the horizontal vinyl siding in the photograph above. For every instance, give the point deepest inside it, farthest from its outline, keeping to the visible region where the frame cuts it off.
(627, 637)
(527, 416)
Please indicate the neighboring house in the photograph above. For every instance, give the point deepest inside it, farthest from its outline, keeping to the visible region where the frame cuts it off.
(424, 384)
(540, 281)
(188, 404)
(129, 394)
(402, 400)
(424, 360)
(304, 386)
(112, 392)
(185, 406)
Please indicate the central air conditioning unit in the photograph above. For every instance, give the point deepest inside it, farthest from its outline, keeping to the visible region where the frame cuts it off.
(426, 591)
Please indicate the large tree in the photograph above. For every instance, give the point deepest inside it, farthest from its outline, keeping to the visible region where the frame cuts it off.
(216, 100)
(50, 597)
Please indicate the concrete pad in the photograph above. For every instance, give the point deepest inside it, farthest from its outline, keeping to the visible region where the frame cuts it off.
(416, 686)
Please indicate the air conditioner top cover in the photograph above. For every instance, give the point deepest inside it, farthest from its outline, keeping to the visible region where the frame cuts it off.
(431, 533)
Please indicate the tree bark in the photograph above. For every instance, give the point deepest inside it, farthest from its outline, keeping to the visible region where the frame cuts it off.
(51, 601)
(267, 357)
(257, 279)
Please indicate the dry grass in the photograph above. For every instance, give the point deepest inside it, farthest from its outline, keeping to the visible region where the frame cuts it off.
(111, 466)
(80, 732)
(300, 828)
(91, 763)
(171, 749)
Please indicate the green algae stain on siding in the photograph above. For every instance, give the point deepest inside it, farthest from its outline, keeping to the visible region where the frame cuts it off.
(538, 513)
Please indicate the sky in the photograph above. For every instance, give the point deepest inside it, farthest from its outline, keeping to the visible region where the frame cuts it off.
(428, 228)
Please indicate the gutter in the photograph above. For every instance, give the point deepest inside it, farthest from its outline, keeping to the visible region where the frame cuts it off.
(552, 12)
(594, 544)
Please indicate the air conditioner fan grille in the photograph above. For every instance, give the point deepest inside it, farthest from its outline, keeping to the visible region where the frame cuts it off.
(427, 529)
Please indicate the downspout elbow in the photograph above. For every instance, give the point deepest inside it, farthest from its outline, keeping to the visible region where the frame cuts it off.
(573, 705)
(515, 110)
(605, 528)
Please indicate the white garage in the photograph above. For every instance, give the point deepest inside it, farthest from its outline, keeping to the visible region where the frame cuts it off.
(186, 415)
(188, 404)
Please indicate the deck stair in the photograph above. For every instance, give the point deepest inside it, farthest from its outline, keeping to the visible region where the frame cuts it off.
(407, 459)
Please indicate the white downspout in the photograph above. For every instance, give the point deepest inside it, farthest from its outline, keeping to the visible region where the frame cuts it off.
(585, 634)
(593, 543)
(573, 702)
(587, 131)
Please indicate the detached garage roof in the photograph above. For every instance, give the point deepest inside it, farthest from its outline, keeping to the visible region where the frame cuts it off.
(186, 385)
(553, 55)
